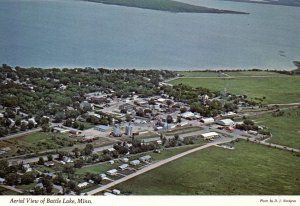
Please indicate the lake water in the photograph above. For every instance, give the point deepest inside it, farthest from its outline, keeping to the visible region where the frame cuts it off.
(69, 33)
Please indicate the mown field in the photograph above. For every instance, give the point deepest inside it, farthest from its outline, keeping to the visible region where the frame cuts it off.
(285, 129)
(249, 169)
(276, 89)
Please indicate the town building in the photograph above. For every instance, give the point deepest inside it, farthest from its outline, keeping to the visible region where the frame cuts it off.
(225, 122)
(102, 128)
(209, 135)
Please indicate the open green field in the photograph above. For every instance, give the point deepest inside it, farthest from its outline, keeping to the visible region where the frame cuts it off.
(163, 5)
(249, 169)
(275, 89)
(285, 129)
(226, 74)
(36, 142)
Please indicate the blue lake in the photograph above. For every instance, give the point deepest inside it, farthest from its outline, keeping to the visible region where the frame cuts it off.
(66, 33)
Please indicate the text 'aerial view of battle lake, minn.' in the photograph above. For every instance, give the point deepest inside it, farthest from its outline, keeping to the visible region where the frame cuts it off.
(183, 34)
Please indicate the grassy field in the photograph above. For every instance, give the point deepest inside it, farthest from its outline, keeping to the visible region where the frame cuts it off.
(285, 129)
(163, 5)
(275, 89)
(33, 142)
(250, 169)
(224, 74)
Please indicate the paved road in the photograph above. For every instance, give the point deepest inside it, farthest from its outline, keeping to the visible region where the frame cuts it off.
(20, 134)
(155, 165)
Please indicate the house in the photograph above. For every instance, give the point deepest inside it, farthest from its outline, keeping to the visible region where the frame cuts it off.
(86, 104)
(60, 130)
(135, 162)
(111, 149)
(111, 162)
(27, 168)
(146, 158)
(159, 142)
(2, 180)
(188, 115)
(112, 172)
(123, 166)
(49, 164)
(91, 181)
(225, 122)
(24, 122)
(83, 184)
(102, 175)
(12, 122)
(209, 135)
(102, 128)
(124, 159)
(208, 120)
(108, 194)
(1, 115)
(40, 185)
(67, 159)
(33, 121)
(116, 192)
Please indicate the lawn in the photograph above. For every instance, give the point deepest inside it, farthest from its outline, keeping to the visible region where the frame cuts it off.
(249, 169)
(200, 74)
(285, 129)
(96, 169)
(275, 89)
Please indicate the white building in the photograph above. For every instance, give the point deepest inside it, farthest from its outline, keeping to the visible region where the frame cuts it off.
(135, 162)
(209, 135)
(123, 166)
(146, 158)
(225, 122)
(116, 192)
(112, 172)
(208, 120)
(188, 115)
(83, 184)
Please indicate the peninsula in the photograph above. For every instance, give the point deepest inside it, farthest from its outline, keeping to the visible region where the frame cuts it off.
(165, 5)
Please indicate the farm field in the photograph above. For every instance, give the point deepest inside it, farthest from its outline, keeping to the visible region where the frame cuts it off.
(285, 129)
(249, 169)
(275, 89)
